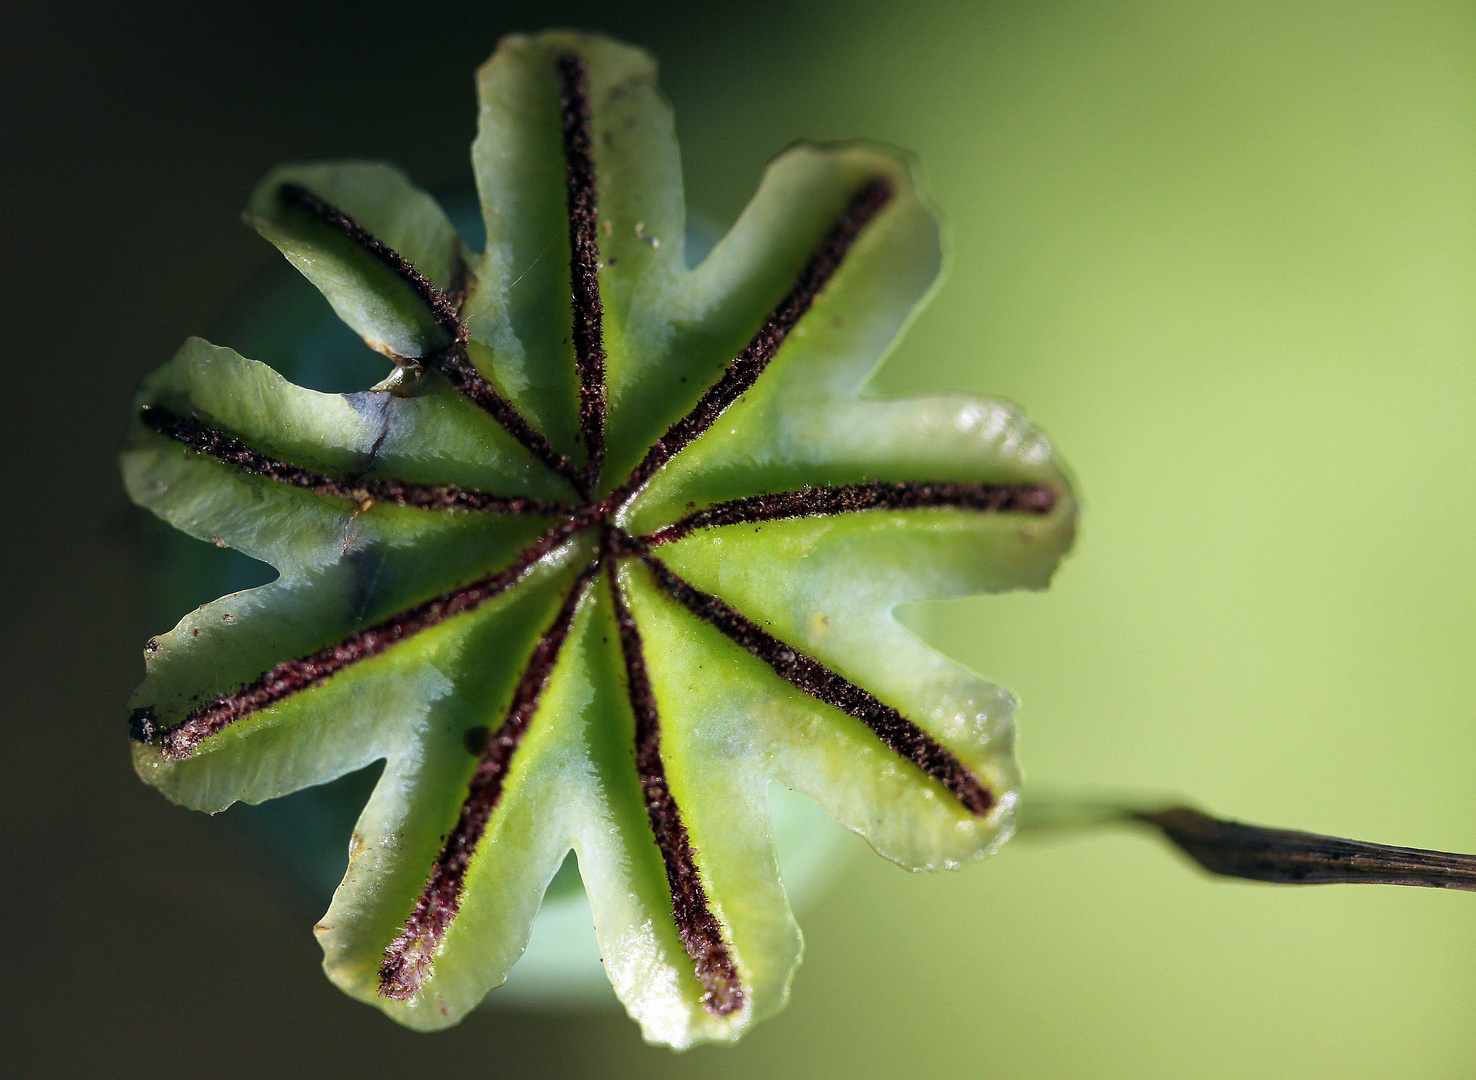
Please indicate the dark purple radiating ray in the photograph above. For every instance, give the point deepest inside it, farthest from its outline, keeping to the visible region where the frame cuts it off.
(701, 934)
(215, 443)
(409, 958)
(745, 369)
(584, 258)
(440, 306)
(900, 734)
(451, 360)
(473, 385)
(853, 498)
(292, 676)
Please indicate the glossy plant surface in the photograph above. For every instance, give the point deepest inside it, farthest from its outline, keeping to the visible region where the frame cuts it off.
(616, 546)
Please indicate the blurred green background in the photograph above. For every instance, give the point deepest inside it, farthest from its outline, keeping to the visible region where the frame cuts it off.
(1225, 254)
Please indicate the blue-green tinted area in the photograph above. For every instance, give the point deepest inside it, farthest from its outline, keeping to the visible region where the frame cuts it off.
(281, 319)
(306, 835)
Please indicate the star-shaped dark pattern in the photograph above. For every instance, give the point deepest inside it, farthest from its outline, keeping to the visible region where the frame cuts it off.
(419, 597)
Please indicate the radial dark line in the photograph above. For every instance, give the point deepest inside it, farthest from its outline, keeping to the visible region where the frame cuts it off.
(440, 306)
(283, 680)
(900, 734)
(474, 386)
(231, 451)
(744, 370)
(451, 360)
(698, 927)
(852, 498)
(584, 258)
(409, 958)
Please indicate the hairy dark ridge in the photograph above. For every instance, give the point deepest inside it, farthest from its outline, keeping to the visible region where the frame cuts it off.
(584, 258)
(292, 676)
(853, 498)
(232, 451)
(441, 307)
(745, 369)
(473, 385)
(451, 361)
(900, 734)
(409, 958)
(700, 932)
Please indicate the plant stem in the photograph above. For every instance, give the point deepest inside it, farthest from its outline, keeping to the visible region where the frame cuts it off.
(1257, 853)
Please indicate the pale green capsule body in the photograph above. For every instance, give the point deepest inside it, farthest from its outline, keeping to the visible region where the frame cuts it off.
(613, 555)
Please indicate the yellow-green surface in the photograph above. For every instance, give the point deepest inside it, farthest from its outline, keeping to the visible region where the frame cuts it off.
(1225, 254)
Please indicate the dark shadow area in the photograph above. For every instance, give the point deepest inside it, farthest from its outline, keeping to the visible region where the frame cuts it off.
(147, 940)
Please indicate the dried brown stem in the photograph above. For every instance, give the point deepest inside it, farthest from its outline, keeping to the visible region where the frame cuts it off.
(1287, 857)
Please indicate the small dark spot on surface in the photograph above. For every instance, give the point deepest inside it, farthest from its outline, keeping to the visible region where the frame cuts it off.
(613, 260)
(141, 726)
(475, 739)
(151, 646)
